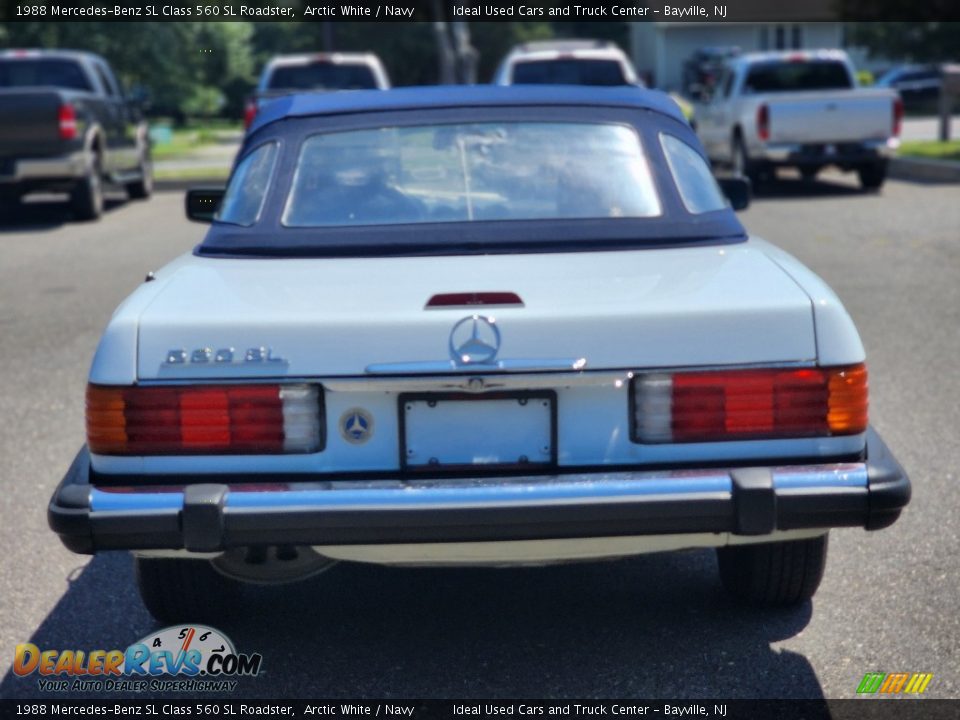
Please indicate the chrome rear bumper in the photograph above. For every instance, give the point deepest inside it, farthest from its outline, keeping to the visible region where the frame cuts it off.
(797, 153)
(222, 512)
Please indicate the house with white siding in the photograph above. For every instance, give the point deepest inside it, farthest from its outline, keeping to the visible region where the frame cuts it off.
(659, 49)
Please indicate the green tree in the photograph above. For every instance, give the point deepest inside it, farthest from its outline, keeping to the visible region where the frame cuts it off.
(912, 41)
(177, 62)
(408, 50)
(187, 67)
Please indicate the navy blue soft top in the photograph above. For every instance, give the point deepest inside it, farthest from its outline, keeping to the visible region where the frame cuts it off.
(288, 121)
(458, 96)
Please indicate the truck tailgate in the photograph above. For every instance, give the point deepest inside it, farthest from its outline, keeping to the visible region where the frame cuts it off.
(29, 124)
(830, 117)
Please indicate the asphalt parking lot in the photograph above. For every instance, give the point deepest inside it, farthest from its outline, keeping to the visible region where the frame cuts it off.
(656, 626)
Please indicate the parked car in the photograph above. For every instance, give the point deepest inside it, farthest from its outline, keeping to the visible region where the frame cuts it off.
(473, 325)
(573, 62)
(567, 62)
(803, 110)
(918, 85)
(316, 72)
(66, 126)
(702, 69)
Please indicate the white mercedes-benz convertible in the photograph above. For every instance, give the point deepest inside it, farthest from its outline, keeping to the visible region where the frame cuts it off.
(474, 325)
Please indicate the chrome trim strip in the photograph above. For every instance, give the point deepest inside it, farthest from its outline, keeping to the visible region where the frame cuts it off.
(535, 377)
(101, 501)
(431, 367)
(461, 381)
(487, 492)
(828, 476)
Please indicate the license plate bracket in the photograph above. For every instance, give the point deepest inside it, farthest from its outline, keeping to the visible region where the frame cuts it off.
(463, 432)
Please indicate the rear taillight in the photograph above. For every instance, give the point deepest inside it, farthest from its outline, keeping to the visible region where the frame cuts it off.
(67, 118)
(763, 122)
(749, 404)
(204, 419)
(897, 116)
(249, 113)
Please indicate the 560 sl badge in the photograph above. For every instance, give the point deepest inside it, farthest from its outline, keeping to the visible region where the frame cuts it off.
(223, 356)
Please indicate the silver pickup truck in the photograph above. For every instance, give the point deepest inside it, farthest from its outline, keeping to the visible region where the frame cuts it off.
(799, 109)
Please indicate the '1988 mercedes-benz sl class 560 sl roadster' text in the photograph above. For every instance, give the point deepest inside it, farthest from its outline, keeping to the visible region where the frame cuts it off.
(475, 325)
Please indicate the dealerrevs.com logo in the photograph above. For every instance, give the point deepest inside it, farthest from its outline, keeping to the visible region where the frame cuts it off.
(179, 658)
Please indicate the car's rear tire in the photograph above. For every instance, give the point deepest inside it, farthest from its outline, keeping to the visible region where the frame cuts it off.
(143, 188)
(186, 590)
(87, 197)
(872, 176)
(774, 574)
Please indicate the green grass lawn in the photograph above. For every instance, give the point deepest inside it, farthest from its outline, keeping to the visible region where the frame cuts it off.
(185, 140)
(181, 143)
(931, 149)
(198, 173)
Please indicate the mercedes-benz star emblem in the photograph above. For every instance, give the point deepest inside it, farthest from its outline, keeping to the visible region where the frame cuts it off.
(356, 426)
(474, 340)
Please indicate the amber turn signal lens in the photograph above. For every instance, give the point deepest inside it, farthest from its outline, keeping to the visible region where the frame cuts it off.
(755, 404)
(106, 422)
(204, 419)
(847, 414)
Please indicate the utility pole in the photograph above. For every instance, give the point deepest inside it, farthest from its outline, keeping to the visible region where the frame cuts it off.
(326, 29)
(467, 55)
(446, 59)
(457, 59)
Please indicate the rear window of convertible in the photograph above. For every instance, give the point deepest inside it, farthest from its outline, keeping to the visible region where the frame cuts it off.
(322, 75)
(471, 172)
(569, 72)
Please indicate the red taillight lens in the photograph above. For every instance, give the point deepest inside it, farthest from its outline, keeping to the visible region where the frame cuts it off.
(750, 404)
(249, 113)
(67, 118)
(897, 116)
(207, 419)
(763, 122)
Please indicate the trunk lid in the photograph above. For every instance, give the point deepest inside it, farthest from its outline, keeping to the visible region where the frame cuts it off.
(335, 317)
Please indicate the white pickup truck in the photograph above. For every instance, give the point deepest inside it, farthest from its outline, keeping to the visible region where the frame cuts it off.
(802, 110)
(567, 62)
